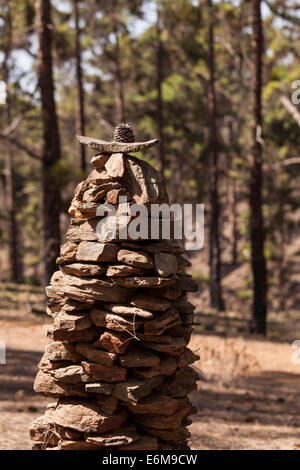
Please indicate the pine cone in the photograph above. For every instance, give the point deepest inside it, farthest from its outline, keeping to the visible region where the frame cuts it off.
(123, 133)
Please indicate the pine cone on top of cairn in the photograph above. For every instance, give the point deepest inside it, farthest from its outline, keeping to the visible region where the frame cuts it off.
(117, 365)
(124, 133)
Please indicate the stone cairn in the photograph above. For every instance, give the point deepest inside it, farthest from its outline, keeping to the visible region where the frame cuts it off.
(118, 365)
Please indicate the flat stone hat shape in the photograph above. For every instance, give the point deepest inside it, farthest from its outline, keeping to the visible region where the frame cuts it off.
(124, 144)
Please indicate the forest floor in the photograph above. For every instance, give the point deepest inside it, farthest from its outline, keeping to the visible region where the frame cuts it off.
(247, 397)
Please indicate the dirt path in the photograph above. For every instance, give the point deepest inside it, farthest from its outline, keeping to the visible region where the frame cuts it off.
(249, 401)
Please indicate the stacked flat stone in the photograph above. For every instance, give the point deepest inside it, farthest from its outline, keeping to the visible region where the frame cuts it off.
(117, 365)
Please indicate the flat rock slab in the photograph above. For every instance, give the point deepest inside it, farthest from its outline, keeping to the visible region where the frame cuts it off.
(112, 147)
(82, 270)
(86, 290)
(169, 348)
(77, 445)
(136, 259)
(86, 231)
(148, 282)
(134, 389)
(137, 356)
(114, 322)
(150, 303)
(95, 251)
(115, 166)
(117, 438)
(71, 374)
(160, 421)
(122, 309)
(176, 436)
(166, 367)
(42, 429)
(101, 387)
(154, 404)
(106, 373)
(161, 320)
(72, 321)
(60, 351)
(144, 443)
(46, 385)
(184, 306)
(84, 416)
(165, 264)
(114, 342)
(122, 270)
(182, 384)
(74, 335)
(96, 355)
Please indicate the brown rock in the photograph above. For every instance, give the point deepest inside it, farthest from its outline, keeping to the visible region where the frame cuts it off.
(67, 433)
(46, 385)
(150, 303)
(134, 389)
(143, 182)
(101, 387)
(121, 270)
(78, 335)
(165, 264)
(114, 342)
(85, 231)
(170, 293)
(136, 259)
(166, 367)
(144, 443)
(113, 195)
(96, 193)
(178, 435)
(86, 289)
(77, 445)
(59, 351)
(169, 348)
(186, 284)
(114, 322)
(137, 356)
(116, 438)
(188, 357)
(67, 252)
(98, 177)
(99, 160)
(154, 404)
(42, 429)
(95, 251)
(122, 309)
(135, 282)
(108, 404)
(113, 147)
(162, 322)
(84, 416)
(183, 306)
(160, 421)
(107, 374)
(115, 166)
(81, 270)
(183, 382)
(71, 374)
(95, 355)
(72, 321)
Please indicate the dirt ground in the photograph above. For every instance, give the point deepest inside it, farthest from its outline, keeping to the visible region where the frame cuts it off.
(247, 397)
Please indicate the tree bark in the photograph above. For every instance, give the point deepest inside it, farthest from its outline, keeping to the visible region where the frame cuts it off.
(51, 152)
(119, 82)
(10, 193)
(159, 81)
(257, 232)
(216, 298)
(80, 117)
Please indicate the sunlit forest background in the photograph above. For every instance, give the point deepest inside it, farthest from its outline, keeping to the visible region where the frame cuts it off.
(213, 80)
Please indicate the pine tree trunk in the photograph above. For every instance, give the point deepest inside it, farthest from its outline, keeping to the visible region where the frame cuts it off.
(10, 194)
(80, 118)
(51, 154)
(159, 80)
(119, 82)
(257, 233)
(216, 299)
